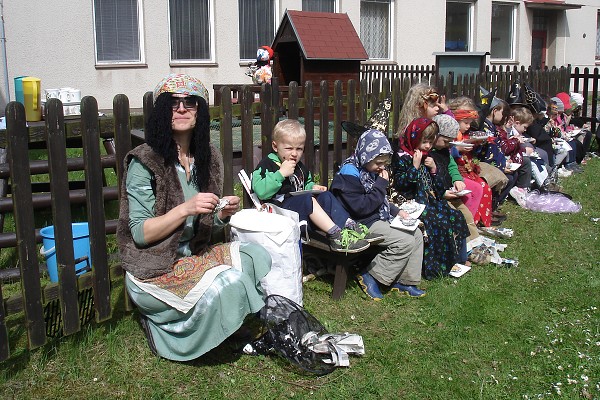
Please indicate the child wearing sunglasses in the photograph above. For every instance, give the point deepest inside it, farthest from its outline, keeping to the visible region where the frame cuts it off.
(423, 101)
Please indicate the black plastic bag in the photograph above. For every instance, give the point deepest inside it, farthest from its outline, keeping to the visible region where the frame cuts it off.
(286, 323)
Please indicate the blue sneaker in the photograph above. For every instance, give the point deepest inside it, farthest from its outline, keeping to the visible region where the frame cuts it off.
(370, 286)
(410, 290)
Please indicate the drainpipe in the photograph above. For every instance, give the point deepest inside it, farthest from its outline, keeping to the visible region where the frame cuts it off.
(4, 58)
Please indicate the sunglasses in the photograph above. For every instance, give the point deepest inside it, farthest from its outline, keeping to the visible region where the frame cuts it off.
(431, 96)
(189, 102)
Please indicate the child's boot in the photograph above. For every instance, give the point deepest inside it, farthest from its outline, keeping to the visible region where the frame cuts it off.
(369, 285)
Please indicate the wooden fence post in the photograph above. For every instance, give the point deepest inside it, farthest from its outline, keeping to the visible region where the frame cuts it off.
(247, 99)
(292, 109)
(266, 120)
(309, 124)
(61, 216)
(18, 146)
(337, 125)
(94, 198)
(324, 133)
(226, 138)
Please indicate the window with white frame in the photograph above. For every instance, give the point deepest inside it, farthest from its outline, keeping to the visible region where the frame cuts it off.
(598, 37)
(503, 30)
(459, 17)
(190, 29)
(375, 27)
(117, 31)
(319, 5)
(257, 26)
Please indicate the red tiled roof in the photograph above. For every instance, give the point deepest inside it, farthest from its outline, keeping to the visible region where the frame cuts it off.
(326, 36)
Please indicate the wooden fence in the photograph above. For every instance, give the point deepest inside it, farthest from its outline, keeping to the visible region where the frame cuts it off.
(545, 81)
(326, 147)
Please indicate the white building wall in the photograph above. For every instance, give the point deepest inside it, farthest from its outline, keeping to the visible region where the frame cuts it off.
(54, 40)
(579, 35)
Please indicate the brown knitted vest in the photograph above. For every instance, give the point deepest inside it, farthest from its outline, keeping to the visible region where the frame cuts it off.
(158, 258)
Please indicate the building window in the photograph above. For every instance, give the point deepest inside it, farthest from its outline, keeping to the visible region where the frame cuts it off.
(598, 37)
(375, 27)
(458, 26)
(319, 5)
(117, 31)
(190, 23)
(257, 26)
(503, 28)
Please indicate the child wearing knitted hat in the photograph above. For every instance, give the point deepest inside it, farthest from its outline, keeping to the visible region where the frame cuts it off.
(447, 170)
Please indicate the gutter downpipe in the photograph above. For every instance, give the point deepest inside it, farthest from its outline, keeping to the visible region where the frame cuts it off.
(4, 57)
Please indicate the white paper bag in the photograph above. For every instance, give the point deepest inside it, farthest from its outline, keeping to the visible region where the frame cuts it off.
(280, 236)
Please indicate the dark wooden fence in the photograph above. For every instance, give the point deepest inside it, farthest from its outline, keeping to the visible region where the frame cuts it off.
(325, 146)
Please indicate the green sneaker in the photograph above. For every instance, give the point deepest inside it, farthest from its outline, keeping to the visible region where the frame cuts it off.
(364, 233)
(347, 241)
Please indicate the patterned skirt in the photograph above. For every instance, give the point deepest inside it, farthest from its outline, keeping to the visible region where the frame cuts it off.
(202, 301)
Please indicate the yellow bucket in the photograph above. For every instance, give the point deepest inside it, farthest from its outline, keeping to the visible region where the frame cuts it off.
(32, 95)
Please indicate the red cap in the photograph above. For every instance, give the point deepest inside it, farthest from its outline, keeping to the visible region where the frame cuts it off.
(269, 50)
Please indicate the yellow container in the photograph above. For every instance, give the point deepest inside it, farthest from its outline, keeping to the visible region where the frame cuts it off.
(32, 96)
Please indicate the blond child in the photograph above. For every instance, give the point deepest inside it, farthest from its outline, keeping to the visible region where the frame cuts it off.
(282, 172)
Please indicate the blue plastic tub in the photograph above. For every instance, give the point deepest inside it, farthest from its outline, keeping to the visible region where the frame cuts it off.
(81, 248)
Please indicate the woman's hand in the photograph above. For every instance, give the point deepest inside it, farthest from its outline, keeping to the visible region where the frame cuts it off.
(231, 208)
(201, 203)
(320, 187)
(417, 158)
(160, 227)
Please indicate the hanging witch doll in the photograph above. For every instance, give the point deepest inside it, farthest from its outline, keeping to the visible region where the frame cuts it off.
(261, 71)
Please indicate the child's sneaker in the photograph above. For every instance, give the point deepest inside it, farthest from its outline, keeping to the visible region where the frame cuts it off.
(347, 241)
(364, 233)
(520, 196)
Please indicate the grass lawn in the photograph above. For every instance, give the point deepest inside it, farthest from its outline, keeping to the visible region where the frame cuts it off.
(528, 332)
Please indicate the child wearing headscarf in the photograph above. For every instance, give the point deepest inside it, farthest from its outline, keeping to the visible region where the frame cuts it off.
(415, 177)
(480, 204)
(361, 186)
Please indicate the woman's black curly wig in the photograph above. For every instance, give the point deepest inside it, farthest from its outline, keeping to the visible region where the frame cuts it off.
(160, 138)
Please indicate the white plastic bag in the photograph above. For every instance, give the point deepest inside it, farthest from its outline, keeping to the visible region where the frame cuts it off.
(280, 236)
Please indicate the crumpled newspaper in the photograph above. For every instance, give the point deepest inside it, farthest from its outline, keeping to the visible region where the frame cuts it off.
(503, 233)
(339, 345)
(494, 248)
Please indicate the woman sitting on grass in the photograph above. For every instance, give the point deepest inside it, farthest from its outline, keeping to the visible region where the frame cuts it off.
(191, 293)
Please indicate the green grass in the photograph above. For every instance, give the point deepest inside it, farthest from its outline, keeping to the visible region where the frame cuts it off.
(522, 333)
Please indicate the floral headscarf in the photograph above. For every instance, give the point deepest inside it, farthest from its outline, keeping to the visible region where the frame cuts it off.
(410, 141)
(371, 144)
(182, 84)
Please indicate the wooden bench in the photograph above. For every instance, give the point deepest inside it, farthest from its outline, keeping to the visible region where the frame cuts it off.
(317, 250)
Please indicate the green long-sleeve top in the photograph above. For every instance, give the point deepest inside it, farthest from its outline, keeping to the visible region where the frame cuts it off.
(141, 204)
(453, 170)
(269, 184)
